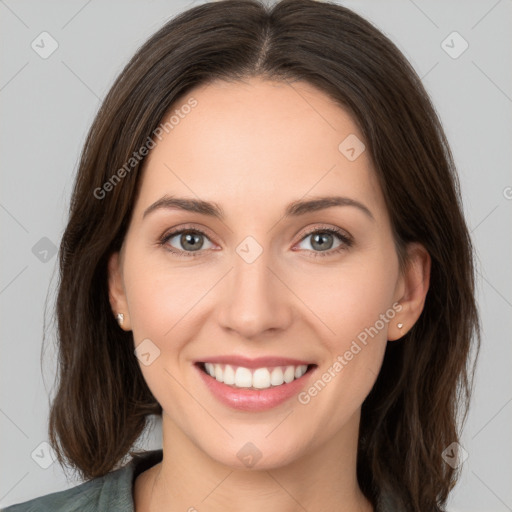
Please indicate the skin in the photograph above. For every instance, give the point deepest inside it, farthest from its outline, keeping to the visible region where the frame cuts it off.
(244, 143)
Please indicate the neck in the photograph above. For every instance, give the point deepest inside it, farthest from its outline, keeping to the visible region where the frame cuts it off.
(188, 479)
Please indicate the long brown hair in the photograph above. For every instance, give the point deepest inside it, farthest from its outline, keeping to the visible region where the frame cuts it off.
(420, 399)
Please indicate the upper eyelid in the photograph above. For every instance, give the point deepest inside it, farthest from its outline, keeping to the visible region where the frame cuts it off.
(170, 233)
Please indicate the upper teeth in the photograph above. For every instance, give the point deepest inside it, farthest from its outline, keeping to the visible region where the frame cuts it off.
(260, 378)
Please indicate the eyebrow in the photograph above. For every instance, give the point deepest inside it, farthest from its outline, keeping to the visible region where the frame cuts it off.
(294, 209)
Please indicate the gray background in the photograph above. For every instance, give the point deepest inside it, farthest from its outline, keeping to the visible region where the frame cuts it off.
(48, 105)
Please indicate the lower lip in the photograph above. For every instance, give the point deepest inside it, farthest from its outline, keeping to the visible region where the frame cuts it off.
(253, 400)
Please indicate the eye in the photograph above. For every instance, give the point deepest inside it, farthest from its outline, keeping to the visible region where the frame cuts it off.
(323, 239)
(190, 240)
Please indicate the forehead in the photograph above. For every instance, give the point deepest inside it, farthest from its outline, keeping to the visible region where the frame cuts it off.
(244, 143)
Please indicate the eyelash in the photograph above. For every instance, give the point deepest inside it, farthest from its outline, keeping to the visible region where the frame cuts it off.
(346, 241)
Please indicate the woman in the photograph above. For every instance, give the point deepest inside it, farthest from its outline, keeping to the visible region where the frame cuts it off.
(266, 247)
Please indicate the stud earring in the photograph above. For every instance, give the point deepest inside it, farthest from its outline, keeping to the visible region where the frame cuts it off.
(120, 318)
(400, 325)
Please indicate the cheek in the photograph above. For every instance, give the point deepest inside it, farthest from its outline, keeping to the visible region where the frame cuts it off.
(355, 306)
(353, 354)
(162, 303)
(160, 296)
(350, 297)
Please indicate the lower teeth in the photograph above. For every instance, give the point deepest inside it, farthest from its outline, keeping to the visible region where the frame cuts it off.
(253, 388)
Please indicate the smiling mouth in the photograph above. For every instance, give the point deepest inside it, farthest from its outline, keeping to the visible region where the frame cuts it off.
(239, 377)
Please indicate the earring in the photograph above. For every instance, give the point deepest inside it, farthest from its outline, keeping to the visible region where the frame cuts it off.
(400, 325)
(120, 318)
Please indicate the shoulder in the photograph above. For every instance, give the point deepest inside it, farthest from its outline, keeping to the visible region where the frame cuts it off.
(86, 497)
(111, 492)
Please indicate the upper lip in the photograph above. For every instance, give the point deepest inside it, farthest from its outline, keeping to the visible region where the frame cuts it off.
(259, 362)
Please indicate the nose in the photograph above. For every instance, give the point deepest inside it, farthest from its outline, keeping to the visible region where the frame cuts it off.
(256, 299)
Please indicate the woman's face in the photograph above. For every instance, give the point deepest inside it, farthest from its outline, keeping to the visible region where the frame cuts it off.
(256, 282)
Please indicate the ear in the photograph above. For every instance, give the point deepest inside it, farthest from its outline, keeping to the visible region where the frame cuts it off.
(117, 293)
(412, 290)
